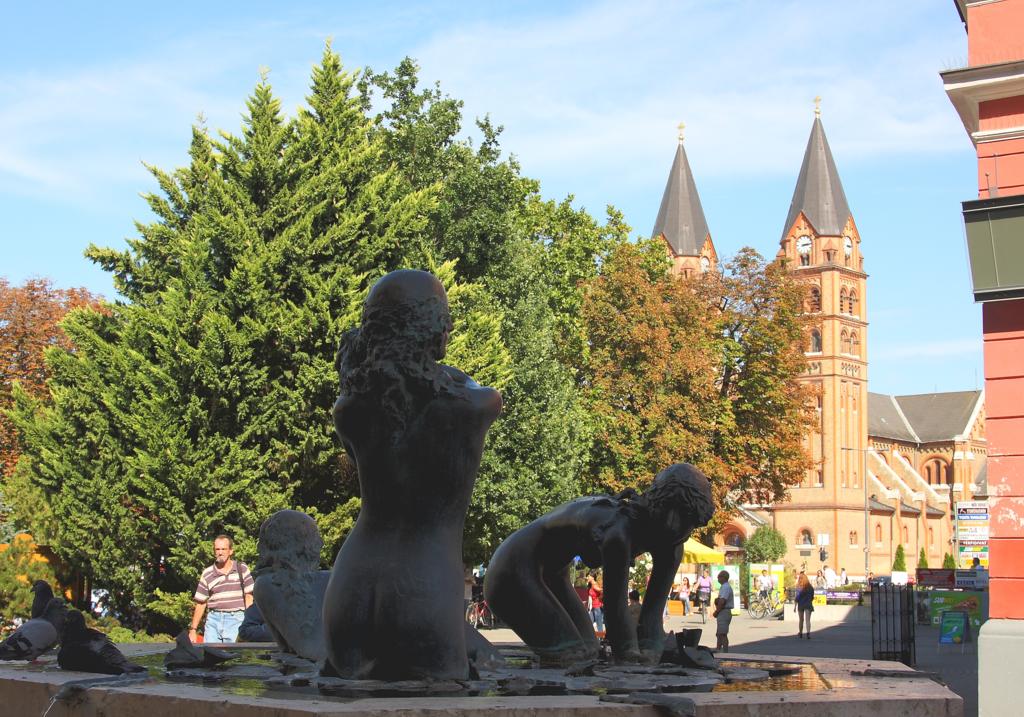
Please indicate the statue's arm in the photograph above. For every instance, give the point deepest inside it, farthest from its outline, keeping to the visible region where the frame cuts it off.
(615, 559)
(650, 630)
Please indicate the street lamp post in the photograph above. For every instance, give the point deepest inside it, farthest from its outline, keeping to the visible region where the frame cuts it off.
(867, 513)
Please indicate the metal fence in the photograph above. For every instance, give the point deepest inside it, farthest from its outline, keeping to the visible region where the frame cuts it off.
(892, 623)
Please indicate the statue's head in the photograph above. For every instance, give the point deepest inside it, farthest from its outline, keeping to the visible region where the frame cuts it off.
(392, 357)
(289, 539)
(678, 501)
(412, 306)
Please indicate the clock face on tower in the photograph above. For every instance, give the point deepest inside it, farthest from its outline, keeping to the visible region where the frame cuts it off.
(705, 264)
(803, 245)
(848, 246)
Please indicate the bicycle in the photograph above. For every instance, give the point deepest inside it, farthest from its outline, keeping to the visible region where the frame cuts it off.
(479, 615)
(703, 600)
(762, 605)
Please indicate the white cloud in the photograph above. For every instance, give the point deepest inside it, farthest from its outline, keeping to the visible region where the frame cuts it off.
(607, 84)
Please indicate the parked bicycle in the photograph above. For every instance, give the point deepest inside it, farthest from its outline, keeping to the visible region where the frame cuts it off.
(479, 614)
(763, 605)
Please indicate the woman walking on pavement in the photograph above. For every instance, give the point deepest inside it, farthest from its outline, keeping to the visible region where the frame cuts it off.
(804, 604)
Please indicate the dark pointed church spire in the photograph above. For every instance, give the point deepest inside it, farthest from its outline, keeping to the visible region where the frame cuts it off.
(681, 218)
(819, 193)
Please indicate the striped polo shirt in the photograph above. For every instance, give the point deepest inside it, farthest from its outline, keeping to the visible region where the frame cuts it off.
(223, 591)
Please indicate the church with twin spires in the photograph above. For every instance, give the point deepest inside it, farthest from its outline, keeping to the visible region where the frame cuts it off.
(888, 470)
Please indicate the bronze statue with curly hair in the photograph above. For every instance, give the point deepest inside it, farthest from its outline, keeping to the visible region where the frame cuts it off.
(415, 428)
(528, 585)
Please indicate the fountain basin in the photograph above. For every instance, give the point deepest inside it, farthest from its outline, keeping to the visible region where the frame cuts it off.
(843, 691)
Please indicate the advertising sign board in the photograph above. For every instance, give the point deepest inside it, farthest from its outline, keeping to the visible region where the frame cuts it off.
(734, 581)
(954, 628)
(972, 523)
(972, 603)
(936, 578)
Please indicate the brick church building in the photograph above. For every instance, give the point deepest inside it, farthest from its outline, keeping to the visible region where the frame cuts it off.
(888, 469)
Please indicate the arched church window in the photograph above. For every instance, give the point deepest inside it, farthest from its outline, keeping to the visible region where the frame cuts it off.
(931, 537)
(815, 341)
(734, 538)
(906, 535)
(853, 302)
(936, 472)
(878, 532)
(844, 342)
(805, 537)
(853, 537)
(854, 344)
(815, 300)
(842, 300)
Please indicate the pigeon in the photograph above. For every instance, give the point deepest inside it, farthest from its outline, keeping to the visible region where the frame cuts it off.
(43, 595)
(185, 654)
(36, 635)
(85, 650)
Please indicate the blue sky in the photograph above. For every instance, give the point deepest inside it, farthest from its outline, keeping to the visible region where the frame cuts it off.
(589, 94)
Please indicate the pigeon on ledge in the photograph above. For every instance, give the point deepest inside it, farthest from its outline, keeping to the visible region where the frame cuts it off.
(37, 635)
(85, 650)
(185, 654)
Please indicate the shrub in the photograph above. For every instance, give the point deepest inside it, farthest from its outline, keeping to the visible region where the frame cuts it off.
(922, 559)
(900, 563)
(766, 545)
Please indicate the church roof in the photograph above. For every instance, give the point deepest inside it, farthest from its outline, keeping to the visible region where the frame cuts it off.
(907, 509)
(939, 416)
(878, 506)
(923, 417)
(886, 420)
(681, 218)
(819, 193)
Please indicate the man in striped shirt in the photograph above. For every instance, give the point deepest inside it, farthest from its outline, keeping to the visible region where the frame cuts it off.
(226, 588)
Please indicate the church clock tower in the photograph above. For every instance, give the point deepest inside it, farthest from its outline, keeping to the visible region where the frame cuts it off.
(821, 245)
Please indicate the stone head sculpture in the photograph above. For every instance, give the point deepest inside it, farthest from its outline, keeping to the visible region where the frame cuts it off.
(289, 539)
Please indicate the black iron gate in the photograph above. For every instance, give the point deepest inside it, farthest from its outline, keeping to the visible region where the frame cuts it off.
(892, 623)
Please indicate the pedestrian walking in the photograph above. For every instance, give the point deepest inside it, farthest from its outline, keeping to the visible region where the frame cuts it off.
(226, 589)
(804, 605)
(594, 597)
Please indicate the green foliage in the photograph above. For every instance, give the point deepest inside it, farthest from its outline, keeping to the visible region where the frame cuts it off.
(744, 579)
(334, 527)
(640, 573)
(113, 629)
(20, 567)
(922, 559)
(176, 608)
(948, 562)
(899, 563)
(766, 545)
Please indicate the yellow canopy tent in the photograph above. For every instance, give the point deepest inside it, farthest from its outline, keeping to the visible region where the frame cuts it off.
(694, 552)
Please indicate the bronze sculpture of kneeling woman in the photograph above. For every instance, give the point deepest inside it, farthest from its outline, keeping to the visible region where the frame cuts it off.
(415, 428)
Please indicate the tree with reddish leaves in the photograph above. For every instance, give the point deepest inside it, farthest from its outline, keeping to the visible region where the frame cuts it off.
(30, 317)
(700, 370)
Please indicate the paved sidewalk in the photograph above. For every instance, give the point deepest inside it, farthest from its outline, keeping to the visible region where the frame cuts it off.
(850, 639)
